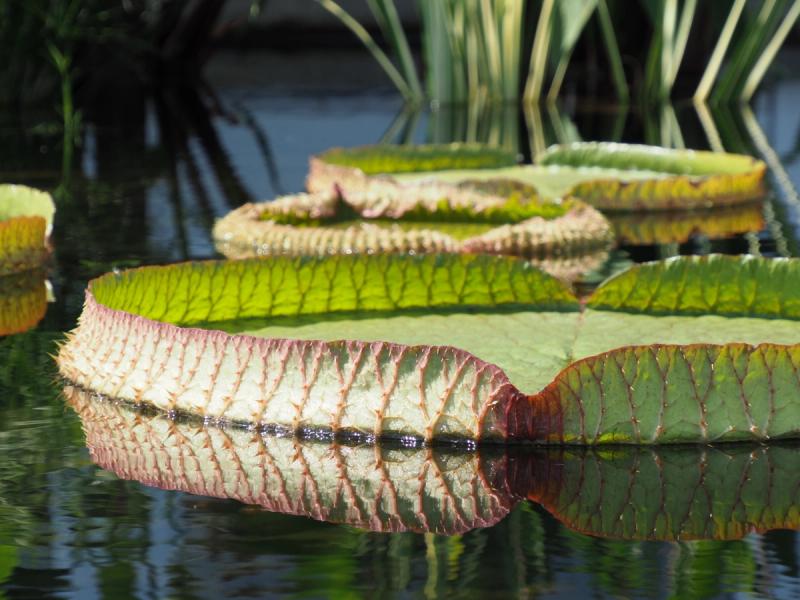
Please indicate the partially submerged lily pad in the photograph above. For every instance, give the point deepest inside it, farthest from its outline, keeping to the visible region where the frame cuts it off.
(608, 176)
(693, 349)
(26, 218)
(562, 237)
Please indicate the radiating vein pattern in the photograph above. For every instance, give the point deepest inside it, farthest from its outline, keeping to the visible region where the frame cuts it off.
(370, 487)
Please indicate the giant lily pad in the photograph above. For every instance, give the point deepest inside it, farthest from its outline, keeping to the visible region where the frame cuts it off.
(608, 176)
(565, 238)
(693, 349)
(678, 493)
(26, 218)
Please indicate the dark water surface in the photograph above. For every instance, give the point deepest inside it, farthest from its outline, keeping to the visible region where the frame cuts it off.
(146, 190)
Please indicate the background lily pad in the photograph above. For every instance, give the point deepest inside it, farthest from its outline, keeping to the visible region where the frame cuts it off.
(687, 350)
(565, 238)
(609, 176)
(664, 227)
(26, 218)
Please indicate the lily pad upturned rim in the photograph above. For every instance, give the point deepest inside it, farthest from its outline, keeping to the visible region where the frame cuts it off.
(140, 356)
(559, 244)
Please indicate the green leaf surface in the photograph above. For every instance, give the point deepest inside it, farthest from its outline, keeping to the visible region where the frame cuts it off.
(688, 349)
(551, 181)
(203, 292)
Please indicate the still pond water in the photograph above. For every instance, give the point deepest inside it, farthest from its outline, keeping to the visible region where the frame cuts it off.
(163, 509)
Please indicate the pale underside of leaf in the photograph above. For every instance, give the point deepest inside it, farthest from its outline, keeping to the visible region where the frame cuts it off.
(370, 487)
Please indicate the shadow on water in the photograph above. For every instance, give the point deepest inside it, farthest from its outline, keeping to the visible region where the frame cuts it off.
(146, 189)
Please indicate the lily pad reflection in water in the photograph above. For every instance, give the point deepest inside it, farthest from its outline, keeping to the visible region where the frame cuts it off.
(668, 494)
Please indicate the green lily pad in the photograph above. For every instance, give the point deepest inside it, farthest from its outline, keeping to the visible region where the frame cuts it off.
(693, 349)
(608, 176)
(26, 218)
(677, 493)
(377, 488)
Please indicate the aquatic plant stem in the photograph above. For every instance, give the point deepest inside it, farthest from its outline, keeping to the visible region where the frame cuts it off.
(612, 49)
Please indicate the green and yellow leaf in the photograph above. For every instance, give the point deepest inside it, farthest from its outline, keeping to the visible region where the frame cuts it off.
(26, 217)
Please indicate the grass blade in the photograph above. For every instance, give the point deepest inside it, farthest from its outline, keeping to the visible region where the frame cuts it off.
(681, 38)
(766, 58)
(386, 14)
(380, 56)
(538, 64)
(717, 56)
(612, 50)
